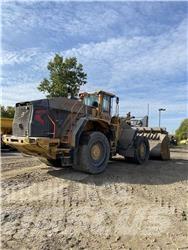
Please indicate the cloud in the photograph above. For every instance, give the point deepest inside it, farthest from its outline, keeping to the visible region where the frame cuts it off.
(26, 92)
(164, 53)
(73, 19)
(135, 61)
(14, 57)
(76, 22)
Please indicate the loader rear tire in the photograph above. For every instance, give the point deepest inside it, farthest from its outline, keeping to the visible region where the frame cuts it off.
(93, 153)
(141, 154)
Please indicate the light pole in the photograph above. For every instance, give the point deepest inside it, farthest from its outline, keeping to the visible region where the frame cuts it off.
(161, 109)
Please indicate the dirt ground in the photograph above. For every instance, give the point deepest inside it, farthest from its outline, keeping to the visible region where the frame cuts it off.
(126, 207)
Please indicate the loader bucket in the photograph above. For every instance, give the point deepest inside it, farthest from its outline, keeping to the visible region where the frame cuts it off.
(158, 141)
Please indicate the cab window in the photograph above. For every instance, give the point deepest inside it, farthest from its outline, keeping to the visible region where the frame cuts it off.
(106, 104)
(91, 100)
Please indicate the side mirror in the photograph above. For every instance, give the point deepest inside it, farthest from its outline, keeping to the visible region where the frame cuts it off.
(117, 100)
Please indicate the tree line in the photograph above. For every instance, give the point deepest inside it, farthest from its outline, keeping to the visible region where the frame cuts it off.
(7, 112)
(182, 131)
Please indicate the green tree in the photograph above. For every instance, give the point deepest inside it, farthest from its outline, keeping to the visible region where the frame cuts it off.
(182, 131)
(7, 112)
(66, 77)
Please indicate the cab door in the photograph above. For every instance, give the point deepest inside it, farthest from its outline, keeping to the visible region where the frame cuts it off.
(106, 107)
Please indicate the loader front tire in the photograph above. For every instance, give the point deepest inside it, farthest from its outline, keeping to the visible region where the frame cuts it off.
(141, 154)
(93, 153)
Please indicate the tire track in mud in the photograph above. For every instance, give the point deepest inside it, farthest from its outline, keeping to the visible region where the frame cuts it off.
(19, 180)
(68, 209)
(18, 163)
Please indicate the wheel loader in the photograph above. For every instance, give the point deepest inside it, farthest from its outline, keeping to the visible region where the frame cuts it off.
(84, 132)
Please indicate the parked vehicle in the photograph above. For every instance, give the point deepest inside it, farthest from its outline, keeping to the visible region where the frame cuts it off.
(83, 133)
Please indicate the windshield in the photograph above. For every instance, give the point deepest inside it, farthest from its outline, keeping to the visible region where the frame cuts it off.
(106, 104)
(91, 100)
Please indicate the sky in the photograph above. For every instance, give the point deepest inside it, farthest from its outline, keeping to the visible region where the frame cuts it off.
(137, 50)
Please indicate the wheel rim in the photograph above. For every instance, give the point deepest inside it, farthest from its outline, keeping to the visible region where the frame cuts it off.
(96, 151)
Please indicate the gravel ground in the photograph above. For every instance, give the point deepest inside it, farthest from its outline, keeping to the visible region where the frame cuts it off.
(126, 207)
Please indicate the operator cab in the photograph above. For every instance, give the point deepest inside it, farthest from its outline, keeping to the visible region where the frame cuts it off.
(101, 101)
(90, 99)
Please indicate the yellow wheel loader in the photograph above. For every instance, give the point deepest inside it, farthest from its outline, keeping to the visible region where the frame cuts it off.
(83, 132)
